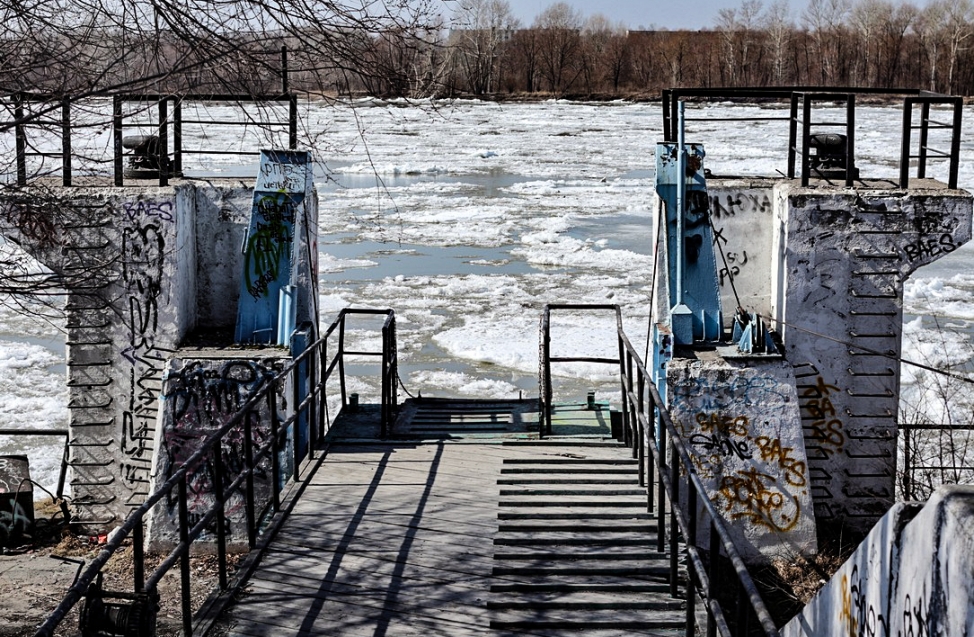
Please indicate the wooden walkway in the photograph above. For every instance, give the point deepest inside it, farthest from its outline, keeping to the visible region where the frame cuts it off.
(463, 538)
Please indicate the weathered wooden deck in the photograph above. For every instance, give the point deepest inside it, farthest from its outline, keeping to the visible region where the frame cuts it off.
(481, 536)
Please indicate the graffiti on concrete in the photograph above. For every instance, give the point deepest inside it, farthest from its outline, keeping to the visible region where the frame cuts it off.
(758, 498)
(826, 430)
(760, 485)
(145, 227)
(743, 430)
(738, 203)
(201, 398)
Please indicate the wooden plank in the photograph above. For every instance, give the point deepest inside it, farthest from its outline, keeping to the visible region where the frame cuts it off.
(405, 539)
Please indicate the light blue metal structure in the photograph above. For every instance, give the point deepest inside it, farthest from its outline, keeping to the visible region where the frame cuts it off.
(695, 309)
(267, 309)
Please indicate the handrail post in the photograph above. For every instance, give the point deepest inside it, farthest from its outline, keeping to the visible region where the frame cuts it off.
(850, 148)
(138, 557)
(66, 141)
(251, 505)
(341, 357)
(315, 395)
(924, 139)
(640, 422)
(296, 421)
(177, 137)
(651, 451)
(674, 528)
(20, 139)
(661, 493)
(712, 576)
(955, 142)
(546, 355)
(323, 393)
(906, 143)
(184, 565)
(285, 81)
(221, 525)
(292, 122)
(384, 374)
(117, 138)
(625, 379)
(793, 135)
(806, 132)
(907, 466)
(275, 448)
(666, 114)
(164, 141)
(633, 417)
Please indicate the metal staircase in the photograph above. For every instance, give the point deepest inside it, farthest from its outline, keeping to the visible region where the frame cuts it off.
(575, 548)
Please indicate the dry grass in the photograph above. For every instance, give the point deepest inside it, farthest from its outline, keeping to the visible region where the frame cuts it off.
(787, 585)
(53, 539)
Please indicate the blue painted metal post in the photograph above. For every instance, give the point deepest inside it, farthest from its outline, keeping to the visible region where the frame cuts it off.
(266, 310)
(695, 313)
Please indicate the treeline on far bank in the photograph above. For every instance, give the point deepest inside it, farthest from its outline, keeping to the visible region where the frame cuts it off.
(484, 52)
(863, 43)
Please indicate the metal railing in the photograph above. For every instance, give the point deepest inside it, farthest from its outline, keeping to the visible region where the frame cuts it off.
(389, 373)
(177, 121)
(934, 454)
(51, 104)
(648, 429)
(306, 378)
(166, 123)
(801, 100)
(544, 375)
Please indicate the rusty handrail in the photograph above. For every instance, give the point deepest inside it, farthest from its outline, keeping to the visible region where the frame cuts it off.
(648, 428)
(640, 418)
(317, 369)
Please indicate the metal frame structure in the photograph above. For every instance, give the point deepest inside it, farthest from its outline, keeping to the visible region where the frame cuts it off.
(801, 100)
(667, 469)
(313, 368)
(54, 102)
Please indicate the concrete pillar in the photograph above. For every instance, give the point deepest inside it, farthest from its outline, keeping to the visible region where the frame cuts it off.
(842, 256)
(150, 267)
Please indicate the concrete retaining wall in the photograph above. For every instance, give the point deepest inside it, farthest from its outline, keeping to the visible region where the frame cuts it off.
(843, 255)
(202, 391)
(913, 575)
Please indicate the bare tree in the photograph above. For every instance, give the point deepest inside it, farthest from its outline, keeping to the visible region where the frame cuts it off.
(480, 29)
(89, 48)
(739, 30)
(778, 28)
(825, 20)
(559, 50)
(959, 32)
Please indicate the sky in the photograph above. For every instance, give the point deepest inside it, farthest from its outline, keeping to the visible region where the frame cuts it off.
(636, 14)
(649, 14)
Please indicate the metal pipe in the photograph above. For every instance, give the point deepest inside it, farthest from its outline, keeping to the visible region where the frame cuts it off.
(117, 139)
(164, 142)
(681, 188)
(221, 524)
